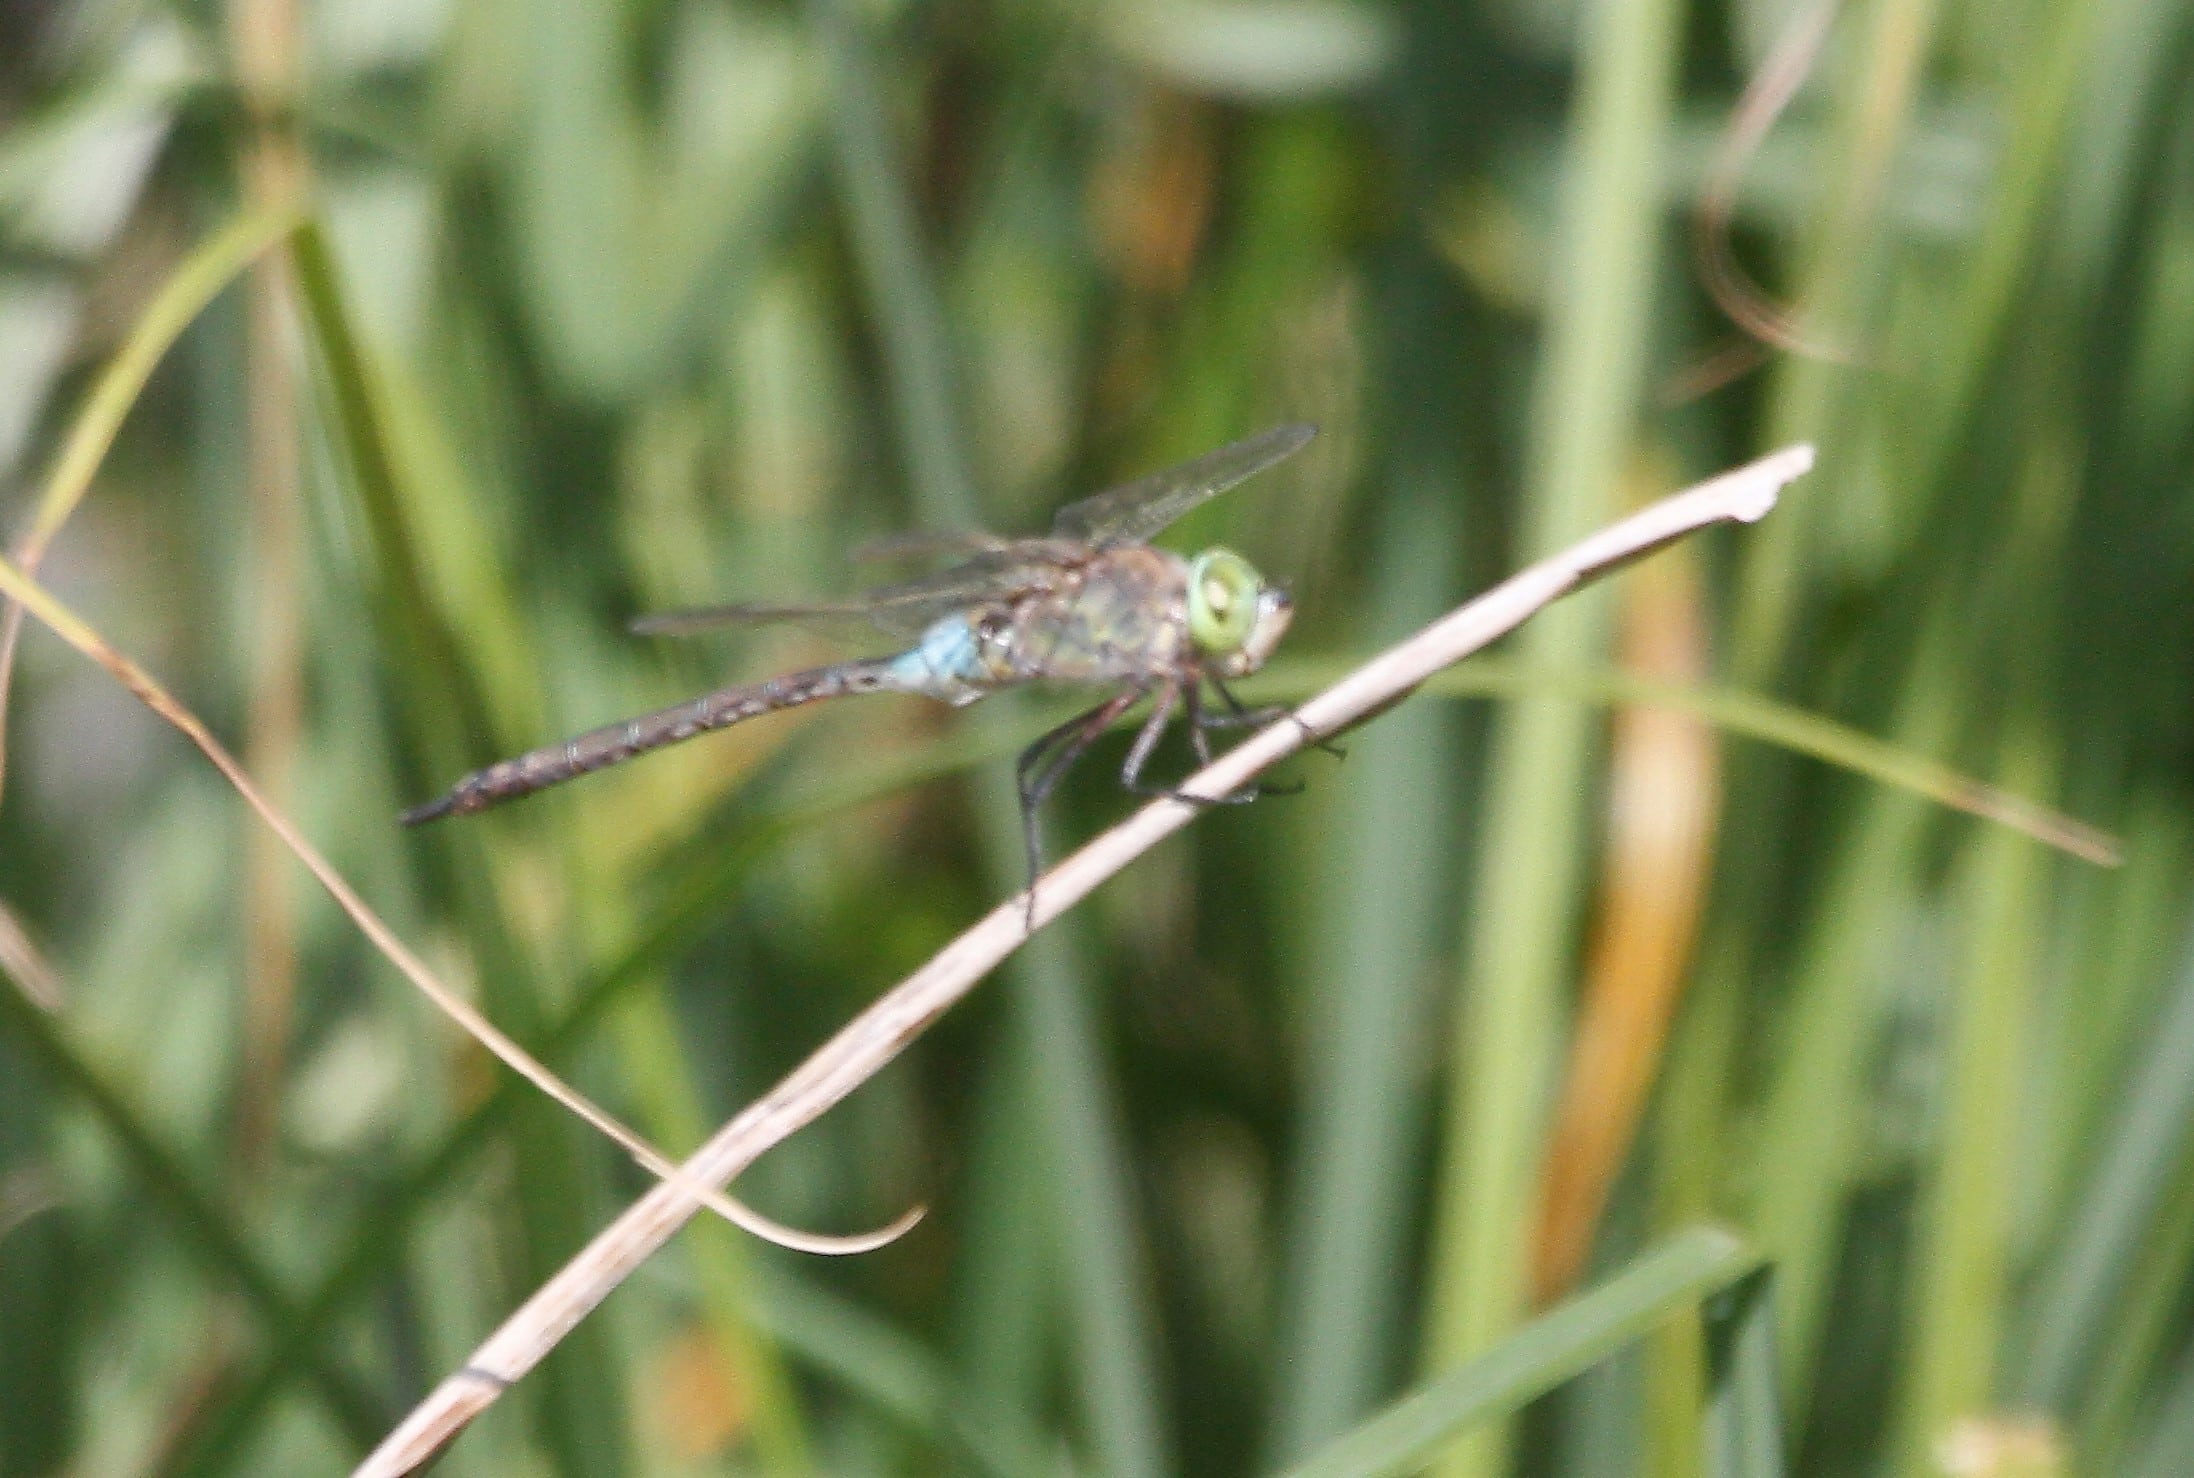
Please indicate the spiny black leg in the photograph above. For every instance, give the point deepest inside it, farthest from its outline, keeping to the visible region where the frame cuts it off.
(1131, 773)
(1040, 773)
(1240, 717)
(1138, 755)
(1039, 767)
(1154, 728)
(1036, 773)
(1200, 720)
(1049, 740)
(1203, 720)
(1236, 716)
(1199, 725)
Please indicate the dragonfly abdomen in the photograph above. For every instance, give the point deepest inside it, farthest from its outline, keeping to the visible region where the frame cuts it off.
(597, 749)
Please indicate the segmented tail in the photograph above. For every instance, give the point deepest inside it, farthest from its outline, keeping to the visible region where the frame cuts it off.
(600, 748)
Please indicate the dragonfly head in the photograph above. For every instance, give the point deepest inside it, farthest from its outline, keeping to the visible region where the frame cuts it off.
(1234, 617)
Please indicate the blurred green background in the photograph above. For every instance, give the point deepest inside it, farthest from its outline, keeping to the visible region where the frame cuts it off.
(607, 307)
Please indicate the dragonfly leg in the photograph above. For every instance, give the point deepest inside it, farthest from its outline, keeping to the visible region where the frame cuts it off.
(1146, 740)
(1038, 770)
(1238, 717)
(1161, 714)
(1201, 721)
(1199, 724)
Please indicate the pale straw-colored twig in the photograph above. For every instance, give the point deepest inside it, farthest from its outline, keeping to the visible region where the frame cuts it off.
(865, 1045)
(15, 586)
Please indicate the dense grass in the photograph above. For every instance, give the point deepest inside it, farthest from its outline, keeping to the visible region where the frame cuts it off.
(1437, 1083)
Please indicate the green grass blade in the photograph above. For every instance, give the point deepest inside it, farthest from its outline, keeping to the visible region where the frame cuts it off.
(579, 1396)
(209, 268)
(1964, 1253)
(1662, 1284)
(196, 282)
(2170, 1437)
(902, 289)
(443, 704)
(2134, 1344)
(622, 219)
(1812, 395)
(1818, 1092)
(1791, 729)
(895, 1373)
(1522, 906)
(198, 1213)
(2139, 1159)
(1371, 947)
(1007, 1284)
(1116, 1343)
(1744, 1420)
(2048, 85)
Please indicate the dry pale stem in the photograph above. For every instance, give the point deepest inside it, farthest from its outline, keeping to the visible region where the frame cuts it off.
(17, 587)
(1769, 92)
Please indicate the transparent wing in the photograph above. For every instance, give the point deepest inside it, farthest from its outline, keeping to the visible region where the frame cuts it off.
(1136, 510)
(696, 619)
(927, 544)
(1003, 571)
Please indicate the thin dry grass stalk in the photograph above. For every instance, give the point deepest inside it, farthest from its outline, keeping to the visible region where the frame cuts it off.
(15, 586)
(1765, 97)
(1767, 325)
(864, 1046)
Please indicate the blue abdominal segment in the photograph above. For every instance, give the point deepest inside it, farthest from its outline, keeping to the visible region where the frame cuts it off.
(946, 663)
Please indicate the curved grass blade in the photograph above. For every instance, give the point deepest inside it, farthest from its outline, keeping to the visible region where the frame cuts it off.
(700, 879)
(76, 633)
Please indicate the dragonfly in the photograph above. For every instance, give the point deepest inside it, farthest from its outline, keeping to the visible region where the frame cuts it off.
(1093, 603)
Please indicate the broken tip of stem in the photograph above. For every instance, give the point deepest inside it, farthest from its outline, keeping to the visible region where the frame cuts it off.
(1767, 478)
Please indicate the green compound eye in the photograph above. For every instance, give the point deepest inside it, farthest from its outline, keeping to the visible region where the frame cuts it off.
(1222, 601)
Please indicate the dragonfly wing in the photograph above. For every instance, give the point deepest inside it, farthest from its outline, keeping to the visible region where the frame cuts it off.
(1136, 510)
(1002, 572)
(708, 618)
(927, 544)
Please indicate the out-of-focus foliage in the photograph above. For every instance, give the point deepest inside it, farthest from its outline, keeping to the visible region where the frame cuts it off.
(658, 304)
